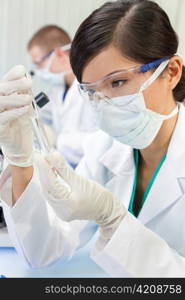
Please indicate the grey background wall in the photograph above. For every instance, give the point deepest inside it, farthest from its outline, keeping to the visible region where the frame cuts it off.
(19, 19)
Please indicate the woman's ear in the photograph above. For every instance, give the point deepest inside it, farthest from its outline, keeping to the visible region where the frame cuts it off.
(174, 71)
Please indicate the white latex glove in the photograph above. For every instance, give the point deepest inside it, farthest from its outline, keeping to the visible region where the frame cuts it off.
(15, 110)
(80, 198)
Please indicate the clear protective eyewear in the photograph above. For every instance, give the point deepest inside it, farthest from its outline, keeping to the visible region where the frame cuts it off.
(120, 83)
(37, 64)
(43, 58)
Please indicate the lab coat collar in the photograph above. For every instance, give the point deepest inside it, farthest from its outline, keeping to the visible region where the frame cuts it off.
(176, 150)
(118, 159)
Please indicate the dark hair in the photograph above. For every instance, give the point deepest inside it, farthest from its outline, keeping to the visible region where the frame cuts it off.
(49, 37)
(140, 29)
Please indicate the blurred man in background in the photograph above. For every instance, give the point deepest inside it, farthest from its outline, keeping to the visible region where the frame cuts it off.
(68, 115)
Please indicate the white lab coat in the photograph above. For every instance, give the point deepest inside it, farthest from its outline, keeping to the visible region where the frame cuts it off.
(71, 121)
(153, 245)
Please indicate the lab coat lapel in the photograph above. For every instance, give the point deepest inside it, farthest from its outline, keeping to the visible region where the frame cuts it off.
(120, 161)
(169, 185)
(164, 192)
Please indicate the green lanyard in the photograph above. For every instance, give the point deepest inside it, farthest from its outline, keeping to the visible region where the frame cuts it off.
(136, 159)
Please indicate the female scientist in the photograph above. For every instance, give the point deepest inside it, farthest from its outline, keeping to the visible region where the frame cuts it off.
(124, 56)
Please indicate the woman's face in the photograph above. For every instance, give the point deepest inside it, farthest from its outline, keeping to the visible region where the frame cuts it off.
(158, 96)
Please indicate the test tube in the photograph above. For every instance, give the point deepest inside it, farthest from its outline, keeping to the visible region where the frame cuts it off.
(39, 131)
(38, 127)
(45, 146)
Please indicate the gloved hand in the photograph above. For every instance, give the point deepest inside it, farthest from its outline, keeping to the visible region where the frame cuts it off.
(16, 137)
(77, 197)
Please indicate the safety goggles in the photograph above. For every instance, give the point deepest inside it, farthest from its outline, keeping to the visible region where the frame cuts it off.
(120, 83)
(42, 59)
(38, 63)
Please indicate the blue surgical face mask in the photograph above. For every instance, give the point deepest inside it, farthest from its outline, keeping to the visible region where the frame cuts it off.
(128, 120)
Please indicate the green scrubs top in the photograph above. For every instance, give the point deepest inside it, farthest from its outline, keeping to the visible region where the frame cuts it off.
(136, 160)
